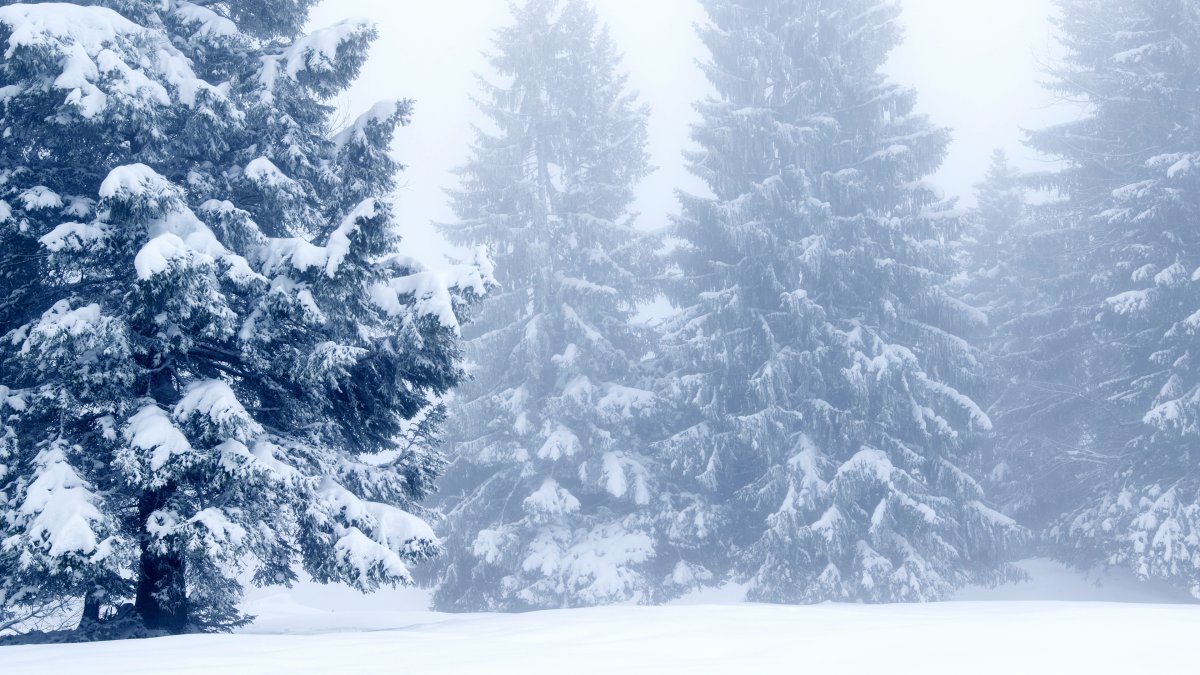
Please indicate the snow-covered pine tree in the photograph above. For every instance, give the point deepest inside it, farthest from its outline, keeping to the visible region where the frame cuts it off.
(824, 430)
(1132, 194)
(1017, 267)
(988, 233)
(233, 370)
(993, 278)
(548, 496)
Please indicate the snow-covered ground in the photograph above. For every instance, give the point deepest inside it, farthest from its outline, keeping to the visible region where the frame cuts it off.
(1078, 626)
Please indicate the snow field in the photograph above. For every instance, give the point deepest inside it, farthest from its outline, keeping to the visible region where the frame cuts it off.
(1001, 638)
(1061, 622)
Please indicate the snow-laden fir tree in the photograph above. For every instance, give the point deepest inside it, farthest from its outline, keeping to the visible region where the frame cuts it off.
(1018, 255)
(230, 368)
(1132, 196)
(988, 234)
(995, 278)
(824, 421)
(548, 498)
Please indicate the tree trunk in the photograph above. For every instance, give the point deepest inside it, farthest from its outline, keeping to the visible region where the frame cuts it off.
(91, 612)
(162, 585)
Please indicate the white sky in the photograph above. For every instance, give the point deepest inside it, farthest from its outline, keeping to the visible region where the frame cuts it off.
(976, 63)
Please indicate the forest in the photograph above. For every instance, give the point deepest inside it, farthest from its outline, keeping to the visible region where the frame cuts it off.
(224, 367)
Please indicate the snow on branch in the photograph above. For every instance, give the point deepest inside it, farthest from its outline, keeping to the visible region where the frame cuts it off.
(154, 441)
(374, 539)
(175, 234)
(320, 60)
(383, 115)
(217, 404)
(421, 292)
(99, 55)
(59, 508)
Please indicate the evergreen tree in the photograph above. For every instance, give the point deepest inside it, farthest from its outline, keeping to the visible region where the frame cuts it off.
(825, 422)
(995, 279)
(989, 233)
(548, 497)
(233, 369)
(1019, 270)
(1131, 193)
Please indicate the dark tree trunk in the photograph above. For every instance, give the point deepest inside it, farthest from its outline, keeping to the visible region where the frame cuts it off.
(162, 585)
(91, 612)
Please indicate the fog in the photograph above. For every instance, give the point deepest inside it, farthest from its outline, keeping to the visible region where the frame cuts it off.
(863, 360)
(976, 63)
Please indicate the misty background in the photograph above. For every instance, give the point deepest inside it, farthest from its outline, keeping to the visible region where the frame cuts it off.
(874, 365)
(432, 51)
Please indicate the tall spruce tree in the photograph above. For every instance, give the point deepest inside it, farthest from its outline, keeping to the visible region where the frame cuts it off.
(1020, 270)
(995, 277)
(548, 497)
(1132, 196)
(824, 425)
(229, 367)
(988, 236)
